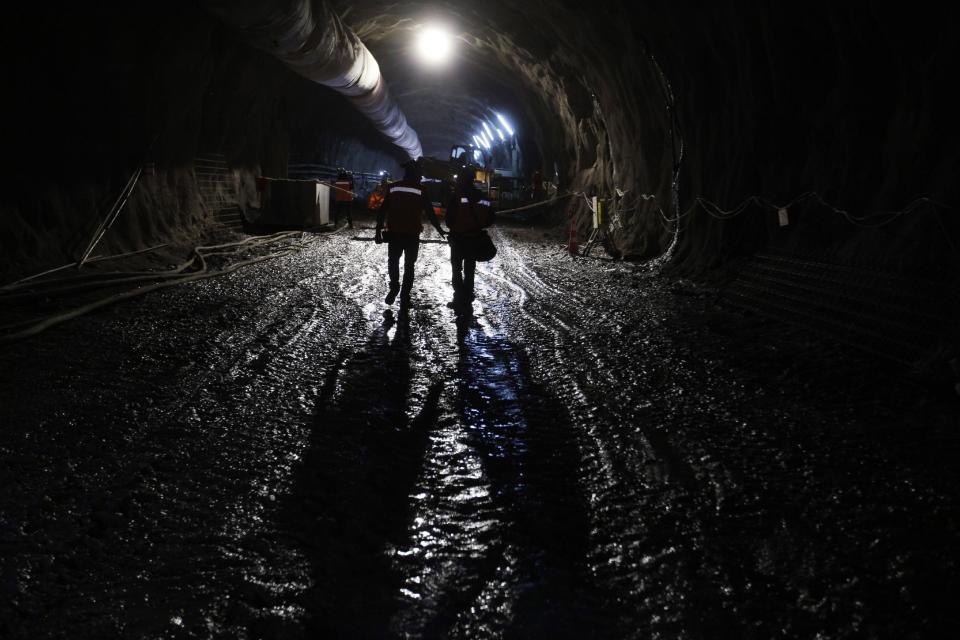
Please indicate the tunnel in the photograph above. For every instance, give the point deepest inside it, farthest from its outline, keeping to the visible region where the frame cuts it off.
(707, 387)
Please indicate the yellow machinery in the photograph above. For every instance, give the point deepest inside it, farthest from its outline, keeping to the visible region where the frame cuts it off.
(440, 176)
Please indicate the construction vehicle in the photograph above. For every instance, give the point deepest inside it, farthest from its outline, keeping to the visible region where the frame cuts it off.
(440, 176)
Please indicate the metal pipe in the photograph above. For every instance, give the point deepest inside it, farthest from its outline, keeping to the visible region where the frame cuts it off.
(111, 216)
(312, 40)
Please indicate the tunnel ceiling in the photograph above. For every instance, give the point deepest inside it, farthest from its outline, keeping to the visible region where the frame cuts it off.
(750, 78)
(446, 104)
(523, 59)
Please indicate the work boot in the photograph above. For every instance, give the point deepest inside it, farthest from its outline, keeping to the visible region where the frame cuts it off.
(392, 293)
(459, 301)
(457, 298)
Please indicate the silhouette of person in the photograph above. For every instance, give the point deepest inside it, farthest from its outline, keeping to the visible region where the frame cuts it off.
(401, 211)
(467, 213)
(343, 197)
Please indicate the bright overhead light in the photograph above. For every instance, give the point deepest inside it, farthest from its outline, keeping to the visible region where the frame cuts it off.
(487, 129)
(476, 141)
(483, 139)
(506, 125)
(434, 45)
(500, 133)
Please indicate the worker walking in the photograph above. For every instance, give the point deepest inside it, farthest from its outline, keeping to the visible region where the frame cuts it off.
(467, 212)
(379, 194)
(401, 212)
(343, 197)
(538, 191)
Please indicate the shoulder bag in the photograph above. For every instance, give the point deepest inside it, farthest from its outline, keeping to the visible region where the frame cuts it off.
(476, 245)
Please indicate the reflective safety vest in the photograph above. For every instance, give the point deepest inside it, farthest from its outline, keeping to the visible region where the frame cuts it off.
(403, 204)
(343, 191)
(463, 217)
(375, 201)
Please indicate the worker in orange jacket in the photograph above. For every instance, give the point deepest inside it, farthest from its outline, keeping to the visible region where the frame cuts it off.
(377, 196)
(401, 212)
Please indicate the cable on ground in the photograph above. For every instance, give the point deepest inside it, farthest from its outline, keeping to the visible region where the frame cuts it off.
(200, 253)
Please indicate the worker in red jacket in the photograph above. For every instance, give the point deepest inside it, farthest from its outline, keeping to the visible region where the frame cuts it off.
(343, 197)
(401, 210)
(538, 192)
(467, 212)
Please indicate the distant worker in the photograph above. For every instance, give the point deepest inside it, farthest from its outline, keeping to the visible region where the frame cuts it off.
(467, 213)
(343, 197)
(379, 193)
(401, 210)
(538, 193)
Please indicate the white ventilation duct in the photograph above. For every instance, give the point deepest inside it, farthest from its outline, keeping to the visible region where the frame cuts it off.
(311, 39)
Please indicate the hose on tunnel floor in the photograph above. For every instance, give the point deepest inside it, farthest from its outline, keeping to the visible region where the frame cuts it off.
(8, 292)
(34, 327)
(136, 277)
(21, 282)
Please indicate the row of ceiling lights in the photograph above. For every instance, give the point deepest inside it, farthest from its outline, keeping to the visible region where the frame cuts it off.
(485, 138)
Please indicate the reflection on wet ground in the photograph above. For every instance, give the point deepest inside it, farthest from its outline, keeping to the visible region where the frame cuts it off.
(597, 452)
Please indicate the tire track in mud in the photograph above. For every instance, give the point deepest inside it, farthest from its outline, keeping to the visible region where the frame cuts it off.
(279, 387)
(434, 450)
(169, 487)
(724, 485)
(649, 521)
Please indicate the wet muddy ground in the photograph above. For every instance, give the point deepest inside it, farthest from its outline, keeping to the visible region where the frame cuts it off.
(599, 451)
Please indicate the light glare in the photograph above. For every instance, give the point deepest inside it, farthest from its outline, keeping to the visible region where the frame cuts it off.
(434, 45)
(505, 124)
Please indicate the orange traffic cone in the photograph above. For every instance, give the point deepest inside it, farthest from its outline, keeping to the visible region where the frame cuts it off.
(573, 247)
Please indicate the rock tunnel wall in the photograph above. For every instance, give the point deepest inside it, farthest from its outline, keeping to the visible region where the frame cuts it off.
(772, 101)
(851, 102)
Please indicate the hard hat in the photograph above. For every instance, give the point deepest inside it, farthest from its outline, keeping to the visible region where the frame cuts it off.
(411, 168)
